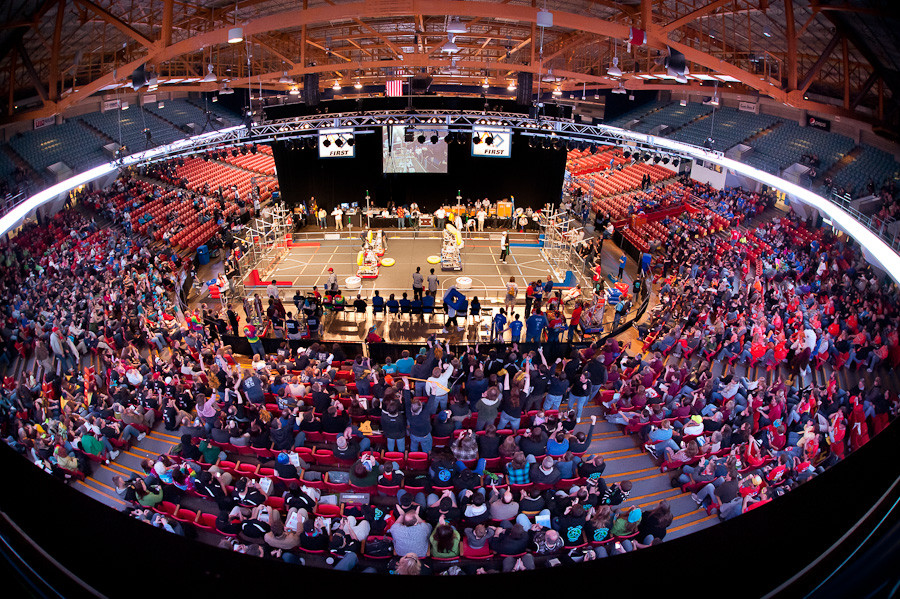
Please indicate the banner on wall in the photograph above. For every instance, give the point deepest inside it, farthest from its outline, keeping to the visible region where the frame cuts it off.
(149, 99)
(817, 123)
(749, 107)
(44, 122)
(110, 104)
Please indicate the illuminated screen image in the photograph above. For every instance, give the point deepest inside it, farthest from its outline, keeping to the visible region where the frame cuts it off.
(400, 156)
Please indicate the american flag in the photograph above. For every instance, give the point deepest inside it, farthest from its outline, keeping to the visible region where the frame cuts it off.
(394, 87)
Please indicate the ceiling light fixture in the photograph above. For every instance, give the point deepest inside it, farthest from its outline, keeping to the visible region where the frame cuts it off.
(210, 76)
(235, 35)
(450, 47)
(337, 86)
(357, 85)
(284, 78)
(456, 26)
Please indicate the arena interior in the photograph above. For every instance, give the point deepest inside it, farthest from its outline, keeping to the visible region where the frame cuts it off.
(546, 291)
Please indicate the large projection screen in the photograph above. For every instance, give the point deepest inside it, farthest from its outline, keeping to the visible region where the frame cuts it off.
(400, 156)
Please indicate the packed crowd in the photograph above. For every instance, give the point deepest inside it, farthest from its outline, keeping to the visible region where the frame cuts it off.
(469, 455)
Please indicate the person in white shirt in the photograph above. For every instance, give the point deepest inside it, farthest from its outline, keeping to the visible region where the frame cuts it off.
(272, 289)
(481, 215)
(512, 291)
(338, 215)
(437, 388)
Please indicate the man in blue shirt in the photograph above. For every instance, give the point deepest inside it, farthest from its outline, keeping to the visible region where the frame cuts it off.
(377, 303)
(534, 327)
(499, 325)
(548, 286)
(405, 363)
(515, 329)
(622, 261)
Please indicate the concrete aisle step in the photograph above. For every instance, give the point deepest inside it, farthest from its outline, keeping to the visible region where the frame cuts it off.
(692, 522)
(100, 492)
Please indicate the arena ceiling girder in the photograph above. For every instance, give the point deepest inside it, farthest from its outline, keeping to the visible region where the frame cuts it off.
(670, 23)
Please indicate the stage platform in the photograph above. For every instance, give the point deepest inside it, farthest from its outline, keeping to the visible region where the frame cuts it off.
(307, 262)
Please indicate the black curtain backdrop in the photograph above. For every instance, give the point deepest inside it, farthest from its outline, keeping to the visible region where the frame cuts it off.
(533, 175)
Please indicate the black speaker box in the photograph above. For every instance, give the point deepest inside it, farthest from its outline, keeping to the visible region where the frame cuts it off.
(524, 88)
(311, 89)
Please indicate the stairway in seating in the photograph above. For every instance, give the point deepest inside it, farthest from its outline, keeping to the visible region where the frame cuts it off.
(38, 178)
(106, 138)
(840, 164)
(765, 131)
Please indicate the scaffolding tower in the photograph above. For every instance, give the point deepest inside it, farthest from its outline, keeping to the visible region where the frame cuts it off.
(561, 232)
(265, 240)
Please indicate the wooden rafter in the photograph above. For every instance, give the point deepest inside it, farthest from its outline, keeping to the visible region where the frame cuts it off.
(54, 56)
(116, 22)
(694, 15)
(823, 58)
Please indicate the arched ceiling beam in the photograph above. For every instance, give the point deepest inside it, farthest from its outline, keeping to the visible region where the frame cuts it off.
(298, 18)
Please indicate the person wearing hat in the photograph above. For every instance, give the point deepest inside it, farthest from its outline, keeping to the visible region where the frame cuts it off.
(284, 468)
(331, 285)
(694, 426)
(626, 524)
(373, 336)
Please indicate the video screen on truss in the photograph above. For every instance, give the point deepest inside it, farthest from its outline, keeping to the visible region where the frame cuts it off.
(336, 143)
(419, 155)
(493, 142)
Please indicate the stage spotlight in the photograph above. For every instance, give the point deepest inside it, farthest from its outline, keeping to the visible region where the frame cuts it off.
(434, 138)
(205, 157)
(421, 138)
(647, 157)
(531, 142)
(557, 144)
(326, 142)
(476, 139)
(339, 142)
(665, 160)
(656, 159)
(253, 149)
(545, 143)
(244, 150)
(234, 152)
(593, 149)
(626, 154)
(675, 162)
(489, 139)
(351, 141)
(449, 137)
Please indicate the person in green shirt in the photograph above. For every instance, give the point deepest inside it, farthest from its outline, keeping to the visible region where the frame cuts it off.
(147, 496)
(444, 540)
(211, 453)
(624, 524)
